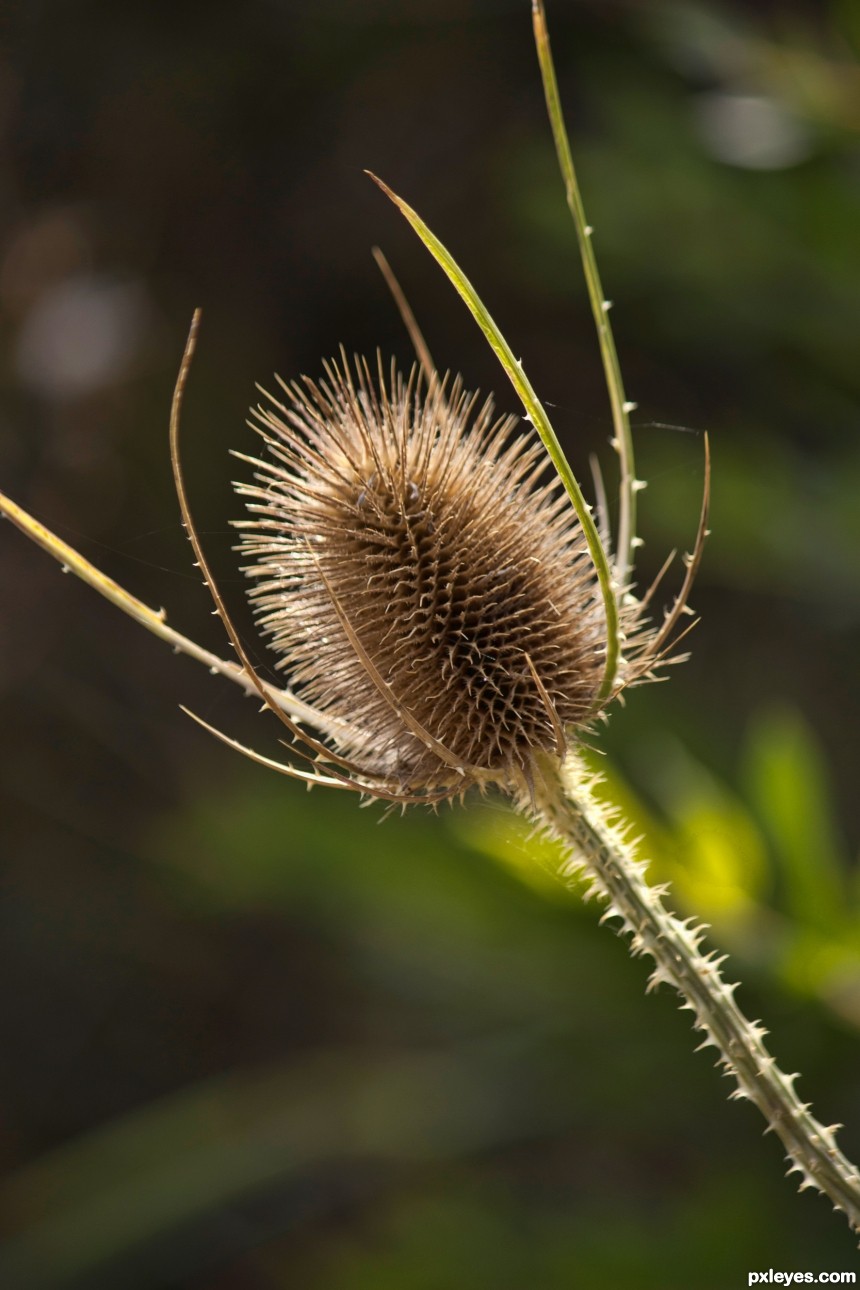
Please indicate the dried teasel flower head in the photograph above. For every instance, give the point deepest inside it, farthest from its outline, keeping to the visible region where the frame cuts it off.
(430, 596)
(445, 617)
(407, 556)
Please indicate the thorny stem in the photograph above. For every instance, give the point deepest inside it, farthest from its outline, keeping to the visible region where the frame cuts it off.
(600, 849)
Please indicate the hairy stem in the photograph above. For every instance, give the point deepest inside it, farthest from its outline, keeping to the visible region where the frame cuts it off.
(600, 849)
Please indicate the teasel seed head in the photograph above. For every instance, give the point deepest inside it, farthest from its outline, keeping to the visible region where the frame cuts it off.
(425, 590)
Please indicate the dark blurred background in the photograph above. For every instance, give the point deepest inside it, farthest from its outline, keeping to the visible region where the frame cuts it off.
(250, 1037)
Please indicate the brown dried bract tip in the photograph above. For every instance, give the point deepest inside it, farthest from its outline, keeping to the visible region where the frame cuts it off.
(425, 591)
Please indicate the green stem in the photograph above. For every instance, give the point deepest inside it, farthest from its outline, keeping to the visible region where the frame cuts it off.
(571, 811)
(599, 304)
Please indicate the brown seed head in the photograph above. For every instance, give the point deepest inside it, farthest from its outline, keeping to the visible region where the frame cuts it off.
(421, 584)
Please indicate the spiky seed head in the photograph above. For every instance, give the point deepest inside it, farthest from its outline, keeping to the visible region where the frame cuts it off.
(408, 558)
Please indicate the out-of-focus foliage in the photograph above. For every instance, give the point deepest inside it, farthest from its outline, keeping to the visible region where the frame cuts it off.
(492, 1050)
(252, 1037)
(768, 872)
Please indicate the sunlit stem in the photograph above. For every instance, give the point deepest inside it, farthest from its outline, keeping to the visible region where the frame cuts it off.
(536, 414)
(602, 853)
(599, 303)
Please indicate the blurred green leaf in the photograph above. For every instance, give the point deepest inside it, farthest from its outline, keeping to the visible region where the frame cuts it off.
(787, 782)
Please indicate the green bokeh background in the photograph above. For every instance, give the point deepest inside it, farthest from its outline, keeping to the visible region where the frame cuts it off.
(251, 1037)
